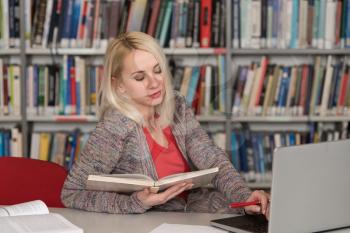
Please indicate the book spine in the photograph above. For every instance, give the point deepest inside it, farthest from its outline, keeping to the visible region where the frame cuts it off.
(205, 23)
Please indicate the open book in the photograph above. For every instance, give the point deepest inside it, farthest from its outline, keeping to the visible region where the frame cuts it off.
(127, 183)
(34, 217)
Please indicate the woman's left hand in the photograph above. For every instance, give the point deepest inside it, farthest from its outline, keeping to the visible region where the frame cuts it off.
(263, 207)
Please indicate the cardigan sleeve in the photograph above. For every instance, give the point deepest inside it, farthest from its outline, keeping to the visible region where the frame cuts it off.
(99, 156)
(205, 154)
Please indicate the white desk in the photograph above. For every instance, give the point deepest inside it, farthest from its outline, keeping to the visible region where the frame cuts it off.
(136, 223)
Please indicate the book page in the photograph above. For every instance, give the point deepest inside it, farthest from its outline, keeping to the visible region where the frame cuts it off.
(48, 223)
(123, 183)
(198, 178)
(118, 187)
(27, 208)
(129, 176)
(3, 212)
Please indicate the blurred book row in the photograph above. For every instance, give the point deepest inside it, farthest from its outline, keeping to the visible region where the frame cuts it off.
(263, 89)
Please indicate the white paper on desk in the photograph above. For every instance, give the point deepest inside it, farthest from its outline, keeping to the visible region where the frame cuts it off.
(166, 228)
(45, 223)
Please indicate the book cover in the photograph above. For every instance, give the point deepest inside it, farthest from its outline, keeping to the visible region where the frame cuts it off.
(326, 87)
(296, 97)
(166, 24)
(35, 145)
(236, 35)
(160, 19)
(154, 16)
(235, 151)
(174, 24)
(331, 102)
(44, 148)
(190, 20)
(208, 90)
(303, 90)
(136, 14)
(186, 80)
(192, 86)
(196, 24)
(114, 18)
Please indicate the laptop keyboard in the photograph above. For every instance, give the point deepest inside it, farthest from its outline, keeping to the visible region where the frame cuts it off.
(256, 228)
(249, 223)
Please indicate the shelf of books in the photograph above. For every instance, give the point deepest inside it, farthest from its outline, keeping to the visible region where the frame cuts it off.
(301, 27)
(209, 36)
(252, 152)
(263, 92)
(306, 27)
(86, 24)
(308, 92)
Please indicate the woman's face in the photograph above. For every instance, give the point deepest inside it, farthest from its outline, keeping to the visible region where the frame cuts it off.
(142, 80)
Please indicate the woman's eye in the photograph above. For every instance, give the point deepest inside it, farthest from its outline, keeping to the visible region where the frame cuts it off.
(158, 70)
(139, 78)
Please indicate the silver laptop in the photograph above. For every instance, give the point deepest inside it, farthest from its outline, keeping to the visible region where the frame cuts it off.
(310, 191)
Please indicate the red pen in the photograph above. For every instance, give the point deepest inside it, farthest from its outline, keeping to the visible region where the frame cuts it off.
(243, 204)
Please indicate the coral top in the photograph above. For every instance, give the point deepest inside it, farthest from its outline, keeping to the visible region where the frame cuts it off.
(167, 160)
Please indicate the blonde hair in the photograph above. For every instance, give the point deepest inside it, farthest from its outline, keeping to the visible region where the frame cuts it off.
(108, 97)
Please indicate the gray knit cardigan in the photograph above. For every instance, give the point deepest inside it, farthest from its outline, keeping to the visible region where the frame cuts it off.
(118, 145)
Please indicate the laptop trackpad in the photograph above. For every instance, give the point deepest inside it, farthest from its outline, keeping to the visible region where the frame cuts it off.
(246, 223)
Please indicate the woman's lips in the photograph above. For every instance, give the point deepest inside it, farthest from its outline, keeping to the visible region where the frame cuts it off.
(156, 95)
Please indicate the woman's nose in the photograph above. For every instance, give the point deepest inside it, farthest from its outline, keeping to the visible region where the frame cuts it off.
(153, 81)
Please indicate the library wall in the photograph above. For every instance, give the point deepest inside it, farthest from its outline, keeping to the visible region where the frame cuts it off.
(258, 73)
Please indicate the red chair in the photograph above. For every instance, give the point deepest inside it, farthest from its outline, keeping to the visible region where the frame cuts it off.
(23, 179)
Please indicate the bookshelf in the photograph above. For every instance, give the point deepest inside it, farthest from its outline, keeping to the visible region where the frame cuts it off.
(227, 120)
(9, 52)
(284, 52)
(101, 52)
(66, 51)
(93, 119)
(10, 119)
(183, 51)
(271, 119)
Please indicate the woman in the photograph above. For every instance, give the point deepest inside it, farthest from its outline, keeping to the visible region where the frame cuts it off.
(146, 128)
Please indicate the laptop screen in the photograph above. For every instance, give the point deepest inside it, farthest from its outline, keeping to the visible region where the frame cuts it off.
(310, 188)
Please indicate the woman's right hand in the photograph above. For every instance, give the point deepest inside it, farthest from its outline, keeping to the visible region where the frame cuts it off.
(150, 199)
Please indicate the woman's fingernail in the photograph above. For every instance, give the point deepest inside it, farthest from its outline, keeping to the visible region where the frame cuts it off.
(257, 209)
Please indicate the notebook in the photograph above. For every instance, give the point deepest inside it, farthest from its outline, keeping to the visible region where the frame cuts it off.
(310, 191)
